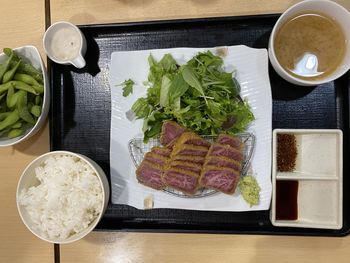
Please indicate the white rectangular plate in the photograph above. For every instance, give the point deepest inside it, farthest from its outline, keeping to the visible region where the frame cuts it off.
(252, 74)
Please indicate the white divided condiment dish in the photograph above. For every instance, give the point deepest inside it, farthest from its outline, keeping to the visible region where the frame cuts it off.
(319, 173)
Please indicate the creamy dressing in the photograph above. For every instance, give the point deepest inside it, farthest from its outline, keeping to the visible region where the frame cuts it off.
(66, 43)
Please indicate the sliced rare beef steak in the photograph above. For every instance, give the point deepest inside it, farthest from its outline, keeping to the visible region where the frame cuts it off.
(233, 141)
(161, 151)
(222, 161)
(225, 150)
(188, 162)
(182, 180)
(156, 158)
(170, 131)
(223, 179)
(189, 159)
(189, 166)
(150, 174)
(192, 138)
(187, 149)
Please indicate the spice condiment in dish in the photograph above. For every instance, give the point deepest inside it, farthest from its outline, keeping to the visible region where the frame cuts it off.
(286, 152)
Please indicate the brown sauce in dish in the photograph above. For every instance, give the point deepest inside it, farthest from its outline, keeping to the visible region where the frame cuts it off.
(286, 200)
(310, 46)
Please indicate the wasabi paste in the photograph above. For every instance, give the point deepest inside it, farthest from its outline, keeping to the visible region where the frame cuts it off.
(250, 189)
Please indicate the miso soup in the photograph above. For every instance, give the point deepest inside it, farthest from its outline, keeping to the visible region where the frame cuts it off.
(310, 46)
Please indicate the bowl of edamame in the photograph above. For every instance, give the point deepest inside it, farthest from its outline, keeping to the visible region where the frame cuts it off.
(24, 94)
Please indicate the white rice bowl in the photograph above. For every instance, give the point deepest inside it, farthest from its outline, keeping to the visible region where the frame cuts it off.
(64, 198)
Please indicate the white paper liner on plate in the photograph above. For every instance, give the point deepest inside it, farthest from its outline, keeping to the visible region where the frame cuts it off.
(252, 73)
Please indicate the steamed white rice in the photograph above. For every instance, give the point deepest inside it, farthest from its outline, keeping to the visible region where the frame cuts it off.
(68, 198)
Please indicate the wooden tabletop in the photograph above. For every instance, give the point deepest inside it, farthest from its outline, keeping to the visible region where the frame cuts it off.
(24, 23)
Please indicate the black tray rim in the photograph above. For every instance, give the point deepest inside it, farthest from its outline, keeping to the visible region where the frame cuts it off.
(168, 228)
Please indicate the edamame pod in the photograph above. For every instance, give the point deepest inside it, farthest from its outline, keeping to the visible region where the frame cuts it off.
(2, 95)
(12, 118)
(15, 133)
(10, 93)
(27, 126)
(23, 109)
(5, 66)
(38, 100)
(6, 86)
(10, 73)
(36, 110)
(17, 125)
(3, 115)
(24, 67)
(39, 88)
(23, 86)
(4, 132)
(26, 79)
(13, 100)
(9, 52)
(29, 80)
(30, 105)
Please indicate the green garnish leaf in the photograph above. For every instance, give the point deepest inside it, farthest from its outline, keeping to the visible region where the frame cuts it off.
(164, 92)
(141, 108)
(177, 88)
(191, 79)
(127, 87)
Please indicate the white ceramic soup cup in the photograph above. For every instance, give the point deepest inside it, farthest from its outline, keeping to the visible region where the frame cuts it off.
(50, 37)
(328, 8)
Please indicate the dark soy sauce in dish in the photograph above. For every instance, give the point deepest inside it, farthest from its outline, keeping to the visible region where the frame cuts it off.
(310, 46)
(287, 200)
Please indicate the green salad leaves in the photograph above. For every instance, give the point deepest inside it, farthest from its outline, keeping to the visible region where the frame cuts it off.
(198, 95)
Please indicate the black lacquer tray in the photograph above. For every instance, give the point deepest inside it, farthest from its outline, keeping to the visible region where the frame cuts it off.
(81, 106)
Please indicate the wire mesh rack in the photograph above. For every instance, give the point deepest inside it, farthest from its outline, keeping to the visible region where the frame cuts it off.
(137, 150)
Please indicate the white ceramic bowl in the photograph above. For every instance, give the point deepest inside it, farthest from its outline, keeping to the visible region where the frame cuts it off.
(28, 179)
(319, 173)
(31, 55)
(329, 8)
